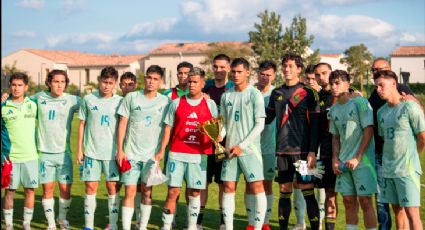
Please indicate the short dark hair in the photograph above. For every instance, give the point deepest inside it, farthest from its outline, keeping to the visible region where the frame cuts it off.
(339, 74)
(196, 71)
(19, 76)
(128, 75)
(323, 63)
(109, 72)
(310, 69)
(155, 69)
(240, 61)
(222, 57)
(184, 64)
(294, 57)
(385, 74)
(265, 65)
(54, 73)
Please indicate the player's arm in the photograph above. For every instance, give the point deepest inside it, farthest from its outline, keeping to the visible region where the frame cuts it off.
(270, 108)
(335, 154)
(80, 156)
(164, 142)
(255, 132)
(364, 143)
(122, 128)
(420, 141)
(314, 116)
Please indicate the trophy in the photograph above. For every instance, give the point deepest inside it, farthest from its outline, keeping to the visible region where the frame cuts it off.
(212, 129)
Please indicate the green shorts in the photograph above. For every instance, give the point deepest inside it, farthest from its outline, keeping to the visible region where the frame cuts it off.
(404, 191)
(195, 174)
(56, 166)
(137, 173)
(92, 170)
(269, 166)
(250, 165)
(358, 182)
(25, 173)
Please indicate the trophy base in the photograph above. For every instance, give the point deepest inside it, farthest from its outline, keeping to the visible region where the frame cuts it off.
(220, 156)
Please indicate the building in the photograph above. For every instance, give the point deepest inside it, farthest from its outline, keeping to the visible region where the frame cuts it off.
(334, 61)
(82, 68)
(409, 61)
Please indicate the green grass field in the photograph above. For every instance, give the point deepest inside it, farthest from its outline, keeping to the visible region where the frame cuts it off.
(211, 216)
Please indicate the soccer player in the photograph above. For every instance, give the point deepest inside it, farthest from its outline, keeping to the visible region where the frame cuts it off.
(215, 88)
(310, 78)
(97, 130)
(18, 117)
(182, 88)
(402, 126)
(141, 126)
(296, 109)
(383, 209)
(322, 72)
(55, 113)
(188, 147)
(266, 76)
(353, 157)
(242, 108)
(128, 83)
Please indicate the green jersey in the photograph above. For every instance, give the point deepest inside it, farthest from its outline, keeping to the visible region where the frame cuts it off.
(100, 115)
(169, 120)
(268, 136)
(55, 116)
(177, 92)
(399, 125)
(240, 110)
(18, 130)
(348, 121)
(145, 127)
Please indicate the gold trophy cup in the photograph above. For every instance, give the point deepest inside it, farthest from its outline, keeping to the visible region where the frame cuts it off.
(212, 129)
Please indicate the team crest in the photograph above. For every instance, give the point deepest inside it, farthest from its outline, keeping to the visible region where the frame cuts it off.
(296, 98)
(280, 98)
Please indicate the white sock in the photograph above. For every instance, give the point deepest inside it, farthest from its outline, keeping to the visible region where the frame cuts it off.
(228, 205)
(269, 208)
(320, 197)
(49, 211)
(168, 221)
(8, 216)
(64, 206)
(114, 208)
(137, 200)
(260, 209)
(145, 213)
(250, 208)
(299, 206)
(193, 211)
(127, 215)
(89, 209)
(28, 212)
(351, 227)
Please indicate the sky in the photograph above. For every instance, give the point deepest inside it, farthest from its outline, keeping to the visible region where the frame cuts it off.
(136, 27)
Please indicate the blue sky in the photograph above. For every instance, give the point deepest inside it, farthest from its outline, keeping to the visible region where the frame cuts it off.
(136, 27)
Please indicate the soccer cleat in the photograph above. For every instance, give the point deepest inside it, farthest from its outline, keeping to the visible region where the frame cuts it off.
(250, 227)
(85, 228)
(266, 227)
(111, 227)
(222, 227)
(63, 224)
(299, 227)
(51, 228)
(137, 226)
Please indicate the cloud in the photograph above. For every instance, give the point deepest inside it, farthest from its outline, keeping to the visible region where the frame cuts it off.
(412, 38)
(32, 4)
(147, 29)
(74, 6)
(80, 39)
(24, 34)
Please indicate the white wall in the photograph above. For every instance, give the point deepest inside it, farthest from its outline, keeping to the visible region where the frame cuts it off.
(414, 65)
(334, 62)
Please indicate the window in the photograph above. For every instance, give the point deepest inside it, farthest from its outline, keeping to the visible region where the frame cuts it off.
(87, 75)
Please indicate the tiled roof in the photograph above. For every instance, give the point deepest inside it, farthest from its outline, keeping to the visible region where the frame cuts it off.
(193, 47)
(330, 55)
(76, 58)
(404, 51)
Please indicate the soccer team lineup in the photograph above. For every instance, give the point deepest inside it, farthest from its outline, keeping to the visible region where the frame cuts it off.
(314, 138)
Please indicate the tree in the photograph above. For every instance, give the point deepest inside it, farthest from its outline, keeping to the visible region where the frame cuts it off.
(359, 59)
(270, 44)
(295, 40)
(231, 49)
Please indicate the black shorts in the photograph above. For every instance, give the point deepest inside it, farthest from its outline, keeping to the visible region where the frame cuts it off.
(214, 170)
(286, 169)
(329, 178)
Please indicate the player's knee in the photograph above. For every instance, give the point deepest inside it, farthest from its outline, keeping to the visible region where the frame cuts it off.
(365, 202)
(350, 202)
